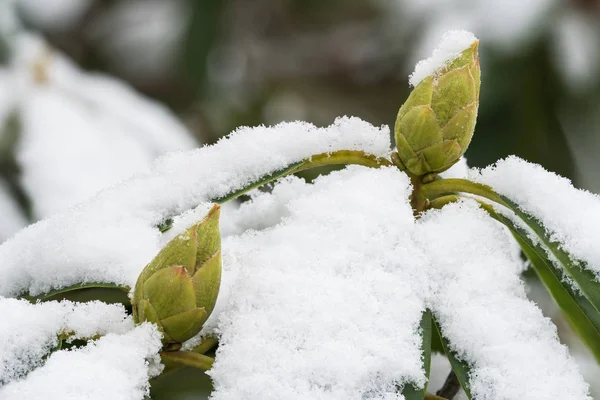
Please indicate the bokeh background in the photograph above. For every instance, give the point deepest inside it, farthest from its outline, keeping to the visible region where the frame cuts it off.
(91, 91)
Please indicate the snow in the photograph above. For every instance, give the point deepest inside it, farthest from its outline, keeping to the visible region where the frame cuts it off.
(480, 303)
(73, 122)
(452, 44)
(111, 237)
(571, 216)
(310, 307)
(117, 366)
(30, 331)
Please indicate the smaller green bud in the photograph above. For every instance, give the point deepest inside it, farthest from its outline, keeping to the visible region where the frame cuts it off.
(435, 125)
(178, 289)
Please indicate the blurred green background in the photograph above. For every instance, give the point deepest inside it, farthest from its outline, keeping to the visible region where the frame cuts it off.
(220, 64)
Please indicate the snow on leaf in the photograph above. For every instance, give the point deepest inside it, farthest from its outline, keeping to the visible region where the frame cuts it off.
(480, 303)
(115, 367)
(30, 331)
(571, 216)
(112, 236)
(327, 304)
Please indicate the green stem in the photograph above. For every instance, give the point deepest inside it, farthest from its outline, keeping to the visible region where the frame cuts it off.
(341, 157)
(205, 345)
(440, 202)
(443, 187)
(175, 359)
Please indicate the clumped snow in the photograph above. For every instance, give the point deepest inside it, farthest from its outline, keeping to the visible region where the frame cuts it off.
(449, 48)
(482, 308)
(115, 367)
(111, 237)
(326, 304)
(570, 215)
(30, 331)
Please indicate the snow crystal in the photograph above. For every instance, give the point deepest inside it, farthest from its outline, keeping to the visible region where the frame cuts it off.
(30, 331)
(449, 48)
(111, 237)
(480, 303)
(73, 122)
(571, 216)
(115, 367)
(326, 304)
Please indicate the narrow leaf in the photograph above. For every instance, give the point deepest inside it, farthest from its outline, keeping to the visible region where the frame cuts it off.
(107, 292)
(581, 314)
(460, 368)
(410, 392)
(576, 270)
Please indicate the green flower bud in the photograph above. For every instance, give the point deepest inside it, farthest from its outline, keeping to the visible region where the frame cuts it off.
(178, 289)
(435, 125)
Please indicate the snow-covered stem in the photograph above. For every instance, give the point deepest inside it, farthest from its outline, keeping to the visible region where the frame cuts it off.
(341, 157)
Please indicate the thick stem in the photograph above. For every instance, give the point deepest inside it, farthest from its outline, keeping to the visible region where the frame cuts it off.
(174, 359)
(444, 187)
(205, 345)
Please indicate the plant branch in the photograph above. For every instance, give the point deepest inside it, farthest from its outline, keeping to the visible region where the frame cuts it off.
(443, 187)
(173, 359)
(451, 386)
(205, 345)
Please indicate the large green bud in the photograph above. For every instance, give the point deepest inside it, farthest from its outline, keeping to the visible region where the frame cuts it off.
(178, 289)
(435, 125)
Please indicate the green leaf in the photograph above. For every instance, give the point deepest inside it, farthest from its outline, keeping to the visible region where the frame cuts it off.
(460, 368)
(580, 313)
(410, 392)
(551, 262)
(576, 270)
(106, 292)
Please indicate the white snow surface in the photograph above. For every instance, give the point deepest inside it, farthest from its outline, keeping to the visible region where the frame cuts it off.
(30, 331)
(82, 132)
(480, 303)
(452, 44)
(312, 305)
(571, 216)
(116, 367)
(111, 237)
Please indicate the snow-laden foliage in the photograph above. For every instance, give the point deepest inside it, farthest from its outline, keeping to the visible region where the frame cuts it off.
(111, 237)
(327, 286)
(313, 302)
(113, 367)
(29, 332)
(570, 215)
(480, 303)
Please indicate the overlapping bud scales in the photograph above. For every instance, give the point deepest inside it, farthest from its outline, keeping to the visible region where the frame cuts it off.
(178, 289)
(435, 125)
